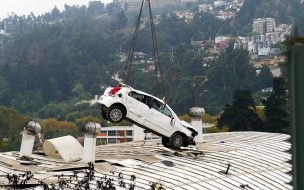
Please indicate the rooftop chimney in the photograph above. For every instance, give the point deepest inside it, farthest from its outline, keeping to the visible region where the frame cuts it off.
(90, 130)
(31, 129)
(196, 114)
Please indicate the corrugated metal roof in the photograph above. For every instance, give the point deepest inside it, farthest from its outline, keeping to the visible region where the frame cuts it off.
(258, 161)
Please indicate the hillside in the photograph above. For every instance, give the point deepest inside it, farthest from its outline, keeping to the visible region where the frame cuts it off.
(63, 57)
(284, 11)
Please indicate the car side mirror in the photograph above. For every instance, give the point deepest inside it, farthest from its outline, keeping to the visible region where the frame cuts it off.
(171, 122)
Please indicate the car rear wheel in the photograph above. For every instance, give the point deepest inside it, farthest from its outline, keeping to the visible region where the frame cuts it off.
(176, 140)
(103, 111)
(116, 114)
(104, 115)
(165, 142)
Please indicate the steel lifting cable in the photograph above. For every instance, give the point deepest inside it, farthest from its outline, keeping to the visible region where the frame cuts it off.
(131, 50)
(159, 74)
(156, 54)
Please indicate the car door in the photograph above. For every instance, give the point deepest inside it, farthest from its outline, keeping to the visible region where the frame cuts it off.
(137, 109)
(159, 118)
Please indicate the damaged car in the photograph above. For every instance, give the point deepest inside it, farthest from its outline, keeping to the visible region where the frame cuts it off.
(123, 102)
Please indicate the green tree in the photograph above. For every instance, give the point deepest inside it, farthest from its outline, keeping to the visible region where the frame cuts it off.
(95, 8)
(50, 110)
(52, 128)
(264, 79)
(276, 107)
(4, 87)
(230, 71)
(11, 124)
(84, 120)
(78, 89)
(73, 116)
(241, 115)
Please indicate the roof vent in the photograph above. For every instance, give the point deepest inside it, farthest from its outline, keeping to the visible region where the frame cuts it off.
(30, 129)
(89, 148)
(196, 114)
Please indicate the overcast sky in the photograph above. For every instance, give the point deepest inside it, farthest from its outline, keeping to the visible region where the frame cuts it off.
(21, 7)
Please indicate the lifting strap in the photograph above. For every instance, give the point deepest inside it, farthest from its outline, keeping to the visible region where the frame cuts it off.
(159, 74)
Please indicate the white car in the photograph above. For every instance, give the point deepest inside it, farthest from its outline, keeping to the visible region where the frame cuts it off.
(149, 112)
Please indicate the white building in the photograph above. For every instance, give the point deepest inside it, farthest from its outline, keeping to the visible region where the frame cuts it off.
(205, 8)
(219, 3)
(263, 49)
(258, 25)
(276, 72)
(251, 47)
(219, 39)
(263, 25)
(270, 25)
(120, 134)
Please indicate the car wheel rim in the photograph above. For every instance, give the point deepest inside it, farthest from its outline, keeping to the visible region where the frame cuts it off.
(178, 141)
(116, 114)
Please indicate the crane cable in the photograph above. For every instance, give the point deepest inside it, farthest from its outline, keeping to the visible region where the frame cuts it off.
(131, 50)
(159, 74)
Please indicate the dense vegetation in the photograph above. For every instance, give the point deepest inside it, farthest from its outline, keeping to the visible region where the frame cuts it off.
(276, 106)
(241, 115)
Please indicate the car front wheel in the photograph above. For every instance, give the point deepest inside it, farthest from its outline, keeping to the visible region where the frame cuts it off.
(115, 114)
(176, 141)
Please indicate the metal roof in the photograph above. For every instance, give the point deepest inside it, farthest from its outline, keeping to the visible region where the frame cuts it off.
(257, 161)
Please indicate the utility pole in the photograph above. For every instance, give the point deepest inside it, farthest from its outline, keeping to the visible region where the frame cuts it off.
(296, 70)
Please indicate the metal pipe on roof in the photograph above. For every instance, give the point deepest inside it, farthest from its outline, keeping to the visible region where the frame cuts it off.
(89, 148)
(30, 129)
(196, 114)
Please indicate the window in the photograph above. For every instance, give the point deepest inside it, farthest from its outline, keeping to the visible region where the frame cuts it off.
(153, 103)
(101, 141)
(129, 133)
(111, 140)
(129, 139)
(137, 96)
(111, 133)
(166, 111)
(121, 133)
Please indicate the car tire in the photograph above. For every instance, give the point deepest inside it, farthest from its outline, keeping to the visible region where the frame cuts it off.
(165, 142)
(176, 140)
(104, 115)
(116, 114)
(186, 143)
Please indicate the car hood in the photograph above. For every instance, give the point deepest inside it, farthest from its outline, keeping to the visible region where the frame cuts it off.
(185, 124)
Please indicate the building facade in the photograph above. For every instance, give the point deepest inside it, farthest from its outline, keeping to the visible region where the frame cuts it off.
(270, 25)
(263, 25)
(258, 26)
(120, 134)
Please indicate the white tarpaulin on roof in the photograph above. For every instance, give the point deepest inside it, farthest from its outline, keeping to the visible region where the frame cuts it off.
(66, 147)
